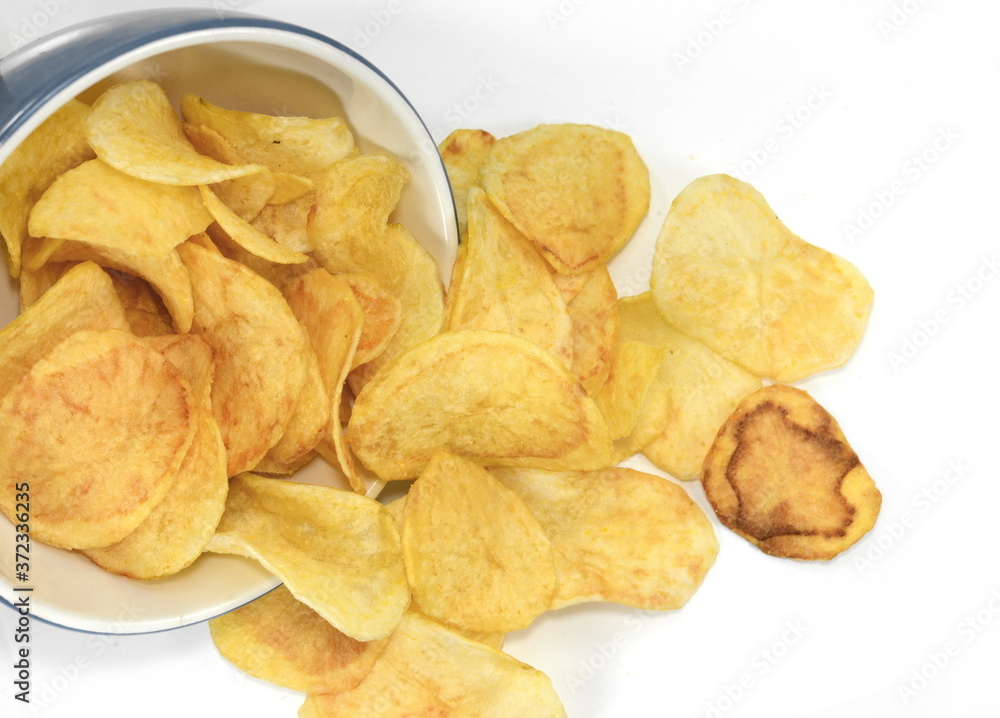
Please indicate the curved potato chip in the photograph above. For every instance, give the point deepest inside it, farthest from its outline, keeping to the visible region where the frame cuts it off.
(634, 366)
(782, 475)
(279, 639)
(577, 192)
(476, 557)
(593, 311)
(430, 670)
(727, 272)
(336, 551)
(179, 528)
(506, 286)
(258, 347)
(145, 311)
(98, 427)
(287, 223)
(383, 313)
(56, 145)
(619, 535)
(96, 204)
(463, 153)
(310, 421)
(247, 196)
(245, 234)
(491, 397)
(298, 145)
(133, 127)
(33, 283)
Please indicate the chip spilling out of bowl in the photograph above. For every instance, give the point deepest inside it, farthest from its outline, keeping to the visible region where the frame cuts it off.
(213, 299)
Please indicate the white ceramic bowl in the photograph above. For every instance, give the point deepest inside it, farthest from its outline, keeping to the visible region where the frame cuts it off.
(237, 61)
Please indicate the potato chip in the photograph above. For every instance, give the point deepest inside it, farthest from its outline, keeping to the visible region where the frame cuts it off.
(179, 528)
(58, 144)
(310, 421)
(297, 145)
(619, 535)
(247, 196)
(336, 551)
(506, 286)
(634, 366)
(145, 311)
(279, 639)
(98, 428)
(430, 670)
(33, 283)
(287, 223)
(782, 475)
(727, 272)
(476, 557)
(245, 234)
(258, 347)
(463, 153)
(577, 192)
(593, 311)
(491, 397)
(382, 312)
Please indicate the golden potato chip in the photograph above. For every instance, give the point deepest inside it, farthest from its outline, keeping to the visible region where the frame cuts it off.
(593, 312)
(258, 346)
(491, 397)
(290, 187)
(145, 311)
(179, 528)
(279, 639)
(577, 192)
(727, 272)
(382, 311)
(782, 475)
(133, 128)
(297, 145)
(33, 283)
(247, 196)
(56, 145)
(83, 298)
(476, 557)
(618, 535)
(98, 428)
(245, 234)
(336, 551)
(430, 670)
(692, 394)
(463, 153)
(506, 286)
(634, 366)
(287, 223)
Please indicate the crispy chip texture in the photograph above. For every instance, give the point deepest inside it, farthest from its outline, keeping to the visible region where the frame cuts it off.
(634, 367)
(430, 670)
(593, 312)
(279, 639)
(382, 312)
(476, 557)
(492, 397)
(133, 127)
(98, 428)
(336, 551)
(464, 152)
(727, 272)
(782, 475)
(245, 234)
(619, 535)
(578, 192)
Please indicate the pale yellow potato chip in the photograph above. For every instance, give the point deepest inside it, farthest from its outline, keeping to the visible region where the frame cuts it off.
(133, 127)
(782, 475)
(56, 145)
(310, 421)
(336, 551)
(287, 223)
(727, 272)
(491, 397)
(430, 670)
(179, 528)
(593, 312)
(383, 314)
(247, 196)
(245, 234)
(634, 367)
(279, 639)
(619, 535)
(290, 187)
(33, 283)
(96, 204)
(506, 286)
(578, 192)
(476, 557)
(98, 429)
(463, 153)
(297, 145)
(258, 347)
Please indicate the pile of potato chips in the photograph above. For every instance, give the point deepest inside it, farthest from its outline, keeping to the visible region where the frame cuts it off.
(213, 299)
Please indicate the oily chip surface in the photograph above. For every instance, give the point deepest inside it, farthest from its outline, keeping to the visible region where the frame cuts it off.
(782, 475)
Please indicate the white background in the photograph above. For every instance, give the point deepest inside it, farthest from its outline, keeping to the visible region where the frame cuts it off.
(872, 129)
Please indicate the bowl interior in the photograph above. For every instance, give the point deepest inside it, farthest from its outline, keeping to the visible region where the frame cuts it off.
(275, 73)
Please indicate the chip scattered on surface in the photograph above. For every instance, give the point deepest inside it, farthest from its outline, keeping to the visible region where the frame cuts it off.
(727, 272)
(782, 475)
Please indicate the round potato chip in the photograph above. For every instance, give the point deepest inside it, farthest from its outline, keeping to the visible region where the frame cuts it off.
(97, 429)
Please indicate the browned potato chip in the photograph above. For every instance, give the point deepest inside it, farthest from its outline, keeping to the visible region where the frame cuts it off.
(491, 397)
(727, 272)
(476, 557)
(782, 475)
(336, 551)
(619, 535)
(430, 670)
(279, 639)
(98, 429)
(133, 127)
(578, 192)
(464, 152)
